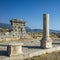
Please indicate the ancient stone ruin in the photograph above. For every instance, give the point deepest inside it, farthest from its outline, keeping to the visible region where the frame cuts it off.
(18, 31)
(46, 41)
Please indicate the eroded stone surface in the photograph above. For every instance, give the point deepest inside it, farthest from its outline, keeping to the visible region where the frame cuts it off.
(14, 49)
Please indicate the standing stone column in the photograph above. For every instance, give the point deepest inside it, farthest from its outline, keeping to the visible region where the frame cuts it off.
(46, 41)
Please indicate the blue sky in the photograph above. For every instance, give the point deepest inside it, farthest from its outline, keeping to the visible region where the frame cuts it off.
(31, 11)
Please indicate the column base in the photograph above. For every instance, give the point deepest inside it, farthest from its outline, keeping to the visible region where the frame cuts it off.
(46, 43)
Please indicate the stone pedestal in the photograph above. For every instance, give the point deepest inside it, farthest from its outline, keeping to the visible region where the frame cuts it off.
(46, 41)
(14, 49)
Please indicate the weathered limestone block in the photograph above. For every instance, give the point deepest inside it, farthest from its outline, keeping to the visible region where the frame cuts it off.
(8, 39)
(14, 49)
(46, 43)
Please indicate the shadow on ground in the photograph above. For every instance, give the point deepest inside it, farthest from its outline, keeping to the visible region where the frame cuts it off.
(3, 53)
(33, 47)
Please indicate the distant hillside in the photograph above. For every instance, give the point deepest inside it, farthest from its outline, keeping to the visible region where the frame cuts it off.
(41, 30)
(54, 31)
(8, 26)
(34, 30)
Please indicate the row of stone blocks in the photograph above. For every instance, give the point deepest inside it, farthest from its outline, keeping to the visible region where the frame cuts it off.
(14, 50)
